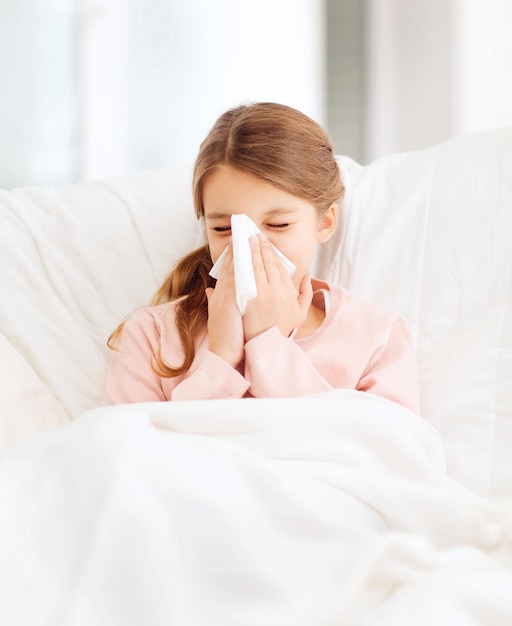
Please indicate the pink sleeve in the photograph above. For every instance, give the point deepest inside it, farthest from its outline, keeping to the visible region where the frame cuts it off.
(213, 379)
(131, 378)
(393, 371)
(277, 367)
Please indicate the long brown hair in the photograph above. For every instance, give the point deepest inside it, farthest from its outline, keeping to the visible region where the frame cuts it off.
(273, 142)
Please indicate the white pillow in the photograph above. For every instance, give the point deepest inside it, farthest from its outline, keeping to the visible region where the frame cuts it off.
(75, 261)
(27, 405)
(429, 234)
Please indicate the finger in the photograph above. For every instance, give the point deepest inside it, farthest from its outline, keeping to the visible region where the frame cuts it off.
(305, 293)
(286, 277)
(264, 259)
(257, 259)
(270, 261)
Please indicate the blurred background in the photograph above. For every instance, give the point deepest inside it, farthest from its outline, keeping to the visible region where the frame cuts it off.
(99, 88)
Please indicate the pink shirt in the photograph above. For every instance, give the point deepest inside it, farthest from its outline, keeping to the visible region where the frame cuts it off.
(358, 346)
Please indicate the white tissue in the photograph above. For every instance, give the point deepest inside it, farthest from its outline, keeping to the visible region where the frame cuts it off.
(242, 228)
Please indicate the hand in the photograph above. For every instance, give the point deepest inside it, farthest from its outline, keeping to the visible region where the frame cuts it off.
(225, 329)
(278, 303)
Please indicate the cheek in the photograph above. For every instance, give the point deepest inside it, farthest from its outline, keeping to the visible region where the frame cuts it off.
(298, 249)
(216, 247)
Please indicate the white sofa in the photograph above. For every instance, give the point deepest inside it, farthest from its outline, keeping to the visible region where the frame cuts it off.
(428, 233)
(342, 508)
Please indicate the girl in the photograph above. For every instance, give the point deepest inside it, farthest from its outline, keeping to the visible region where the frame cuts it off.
(298, 336)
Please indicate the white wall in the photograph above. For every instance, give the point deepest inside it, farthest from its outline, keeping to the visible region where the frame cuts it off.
(436, 69)
(178, 64)
(99, 88)
(484, 64)
(102, 74)
(38, 111)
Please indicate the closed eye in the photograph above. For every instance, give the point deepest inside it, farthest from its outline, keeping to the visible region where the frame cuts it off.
(278, 226)
(227, 229)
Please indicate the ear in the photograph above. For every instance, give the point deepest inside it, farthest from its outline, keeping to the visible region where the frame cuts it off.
(327, 224)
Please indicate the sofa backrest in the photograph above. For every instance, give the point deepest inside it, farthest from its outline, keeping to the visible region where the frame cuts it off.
(74, 261)
(429, 233)
(426, 233)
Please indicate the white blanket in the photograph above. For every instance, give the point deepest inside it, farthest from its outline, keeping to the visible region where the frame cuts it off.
(332, 510)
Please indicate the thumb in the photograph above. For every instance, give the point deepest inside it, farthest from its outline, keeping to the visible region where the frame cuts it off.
(208, 291)
(305, 292)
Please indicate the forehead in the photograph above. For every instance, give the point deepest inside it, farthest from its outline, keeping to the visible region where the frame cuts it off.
(228, 191)
(224, 215)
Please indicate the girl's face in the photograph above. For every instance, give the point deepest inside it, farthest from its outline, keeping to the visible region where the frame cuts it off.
(291, 224)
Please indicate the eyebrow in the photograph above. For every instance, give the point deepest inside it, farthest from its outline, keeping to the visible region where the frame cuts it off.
(217, 215)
